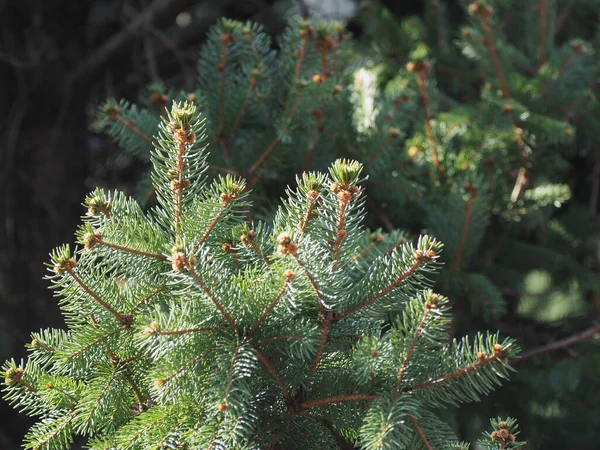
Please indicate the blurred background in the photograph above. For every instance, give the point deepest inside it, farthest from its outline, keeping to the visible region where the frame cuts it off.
(59, 59)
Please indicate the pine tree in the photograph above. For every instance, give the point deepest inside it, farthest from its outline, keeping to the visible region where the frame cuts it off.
(189, 327)
(468, 122)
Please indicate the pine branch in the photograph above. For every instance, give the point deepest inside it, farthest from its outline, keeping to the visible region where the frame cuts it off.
(561, 344)
(265, 362)
(421, 70)
(421, 433)
(211, 227)
(129, 124)
(411, 347)
(397, 282)
(337, 399)
(160, 382)
(95, 342)
(148, 297)
(270, 308)
(463, 370)
(472, 191)
(543, 10)
(131, 250)
(213, 299)
(120, 317)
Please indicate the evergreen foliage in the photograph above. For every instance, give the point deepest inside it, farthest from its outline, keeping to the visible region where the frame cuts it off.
(468, 121)
(189, 327)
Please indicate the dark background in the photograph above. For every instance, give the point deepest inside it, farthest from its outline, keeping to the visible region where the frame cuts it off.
(59, 59)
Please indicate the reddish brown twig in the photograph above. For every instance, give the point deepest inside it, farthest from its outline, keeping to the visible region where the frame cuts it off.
(94, 296)
(161, 381)
(420, 432)
(225, 39)
(180, 331)
(211, 227)
(243, 107)
(131, 127)
(337, 399)
(148, 297)
(472, 190)
(585, 335)
(131, 250)
(265, 362)
(213, 299)
(397, 282)
(269, 308)
(421, 71)
(411, 347)
(457, 373)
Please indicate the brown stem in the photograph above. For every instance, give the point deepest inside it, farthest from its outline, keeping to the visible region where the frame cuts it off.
(212, 225)
(312, 282)
(340, 231)
(309, 156)
(265, 362)
(543, 19)
(213, 299)
(337, 399)
(382, 292)
(585, 335)
(181, 369)
(148, 297)
(96, 341)
(428, 129)
(179, 188)
(411, 347)
(323, 337)
(92, 294)
(489, 43)
(465, 229)
(26, 385)
(420, 432)
(453, 375)
(563, 16)
(131, 127)
(269, 308)
(307, 218)
(262, 158)
(136, 389)
(243, 107)
(181, 331)
(131, 250)
(301, 56)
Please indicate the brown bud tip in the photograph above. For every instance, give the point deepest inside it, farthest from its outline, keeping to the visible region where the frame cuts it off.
(226, 38)
(511, 438)
(473, 8)
(191, 97)
(316, 78)
(488, 85)
(222, 407)
(374, 353)
(13, 376)
(344, 195)
(244, 240)
(494, 436)
(498, 350)
(226, 197)
(394, 132)
(506, 109)
(337, 89)
(503, 433)
(413, 152)
(488, 10)
(502, 425)
(465, 32)
(283, 238)
(259, 96)
(410, 66)
(313, 194)
(178, 261)
(292, 248)
(569, 132)
(158, 383)
(481, 356)
(226, 247)
(288, 275)
(577, 48)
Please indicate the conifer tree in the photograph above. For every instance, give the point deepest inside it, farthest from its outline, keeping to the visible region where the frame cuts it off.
(189, 327)
(468, 121)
